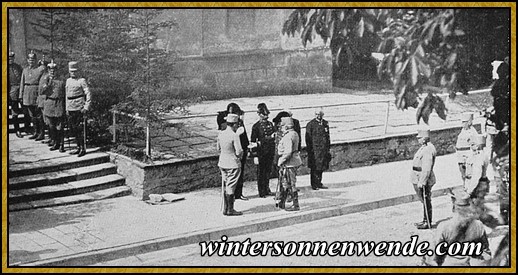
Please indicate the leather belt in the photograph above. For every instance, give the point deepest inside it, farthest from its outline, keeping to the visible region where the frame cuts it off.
(27, 84)
(463, 148)
(418, 169)
(74, 97)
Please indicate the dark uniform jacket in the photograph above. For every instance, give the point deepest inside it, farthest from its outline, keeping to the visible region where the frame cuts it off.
(318, 144)
(13, 81)
(29, 85)
(263, 132)
(54, 94)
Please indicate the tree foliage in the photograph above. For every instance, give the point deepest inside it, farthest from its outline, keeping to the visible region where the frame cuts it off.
(116, 48)
(425, 51)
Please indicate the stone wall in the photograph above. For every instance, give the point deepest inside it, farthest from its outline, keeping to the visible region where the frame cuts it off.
(254, 73)
(184, 176)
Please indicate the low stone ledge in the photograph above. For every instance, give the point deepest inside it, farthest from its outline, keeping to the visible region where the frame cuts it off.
(187, 175)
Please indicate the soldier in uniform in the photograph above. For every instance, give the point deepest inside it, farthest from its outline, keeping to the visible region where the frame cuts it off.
(463, 146)
(422, 176)
(318, 147)
(263, 133)
(476, 165)
(288, 163)
(463, 227)
(13, 82)
(53, 90)
(29, 86)
(77, 104)
(229, 163)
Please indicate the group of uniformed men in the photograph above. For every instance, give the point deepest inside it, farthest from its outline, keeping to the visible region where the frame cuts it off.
(274, 146)
(48, 101)
(469, 212)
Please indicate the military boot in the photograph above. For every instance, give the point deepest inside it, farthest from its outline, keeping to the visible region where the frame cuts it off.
(295, 205)
(36, 129)
(225, 204)
(61, 139)
(52, 137)
(230, 209)
(282, 199)
(425, 225)
(16, 126)
(55, 140)
(41, 132)
(82, 151)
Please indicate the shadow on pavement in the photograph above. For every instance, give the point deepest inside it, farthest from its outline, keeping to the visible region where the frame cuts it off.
(44, 218)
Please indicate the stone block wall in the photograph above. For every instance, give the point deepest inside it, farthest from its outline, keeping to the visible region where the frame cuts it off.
(184, 176)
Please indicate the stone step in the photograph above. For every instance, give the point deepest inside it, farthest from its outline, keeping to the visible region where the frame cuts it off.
(59, 177)
(57, 164)
(66, 189)
(113, 192)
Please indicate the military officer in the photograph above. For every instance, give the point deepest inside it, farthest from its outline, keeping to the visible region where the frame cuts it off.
(463, 227)
(318, 147)
(288, 163)
(476, 165)
(78, 101)
(463, 145)
(29, 86)
(423, 177)
(15, 74)
(229, 163)
(53, 90)
(263, 133)
(233, 108)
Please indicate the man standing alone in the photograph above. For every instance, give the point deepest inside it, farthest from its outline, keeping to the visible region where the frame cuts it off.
(77, 104)
(422, 176)
(318, 147)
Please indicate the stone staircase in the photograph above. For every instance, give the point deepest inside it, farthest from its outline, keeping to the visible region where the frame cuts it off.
(53, 178)
(67, 180)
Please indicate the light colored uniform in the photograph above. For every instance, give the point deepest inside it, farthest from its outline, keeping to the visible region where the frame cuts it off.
(289, 156)
(229, 146)
(422, 165)
(78, 94)
(462, 147)
(29, 85)
(476, 167)
(460, 230)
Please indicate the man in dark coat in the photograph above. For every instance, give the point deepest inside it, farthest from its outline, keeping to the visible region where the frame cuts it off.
(53, 91)
(29, 86)
(318, 147)
(263, 133)
(15, 74)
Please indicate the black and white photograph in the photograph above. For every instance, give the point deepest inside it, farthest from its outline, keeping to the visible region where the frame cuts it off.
(258, 137)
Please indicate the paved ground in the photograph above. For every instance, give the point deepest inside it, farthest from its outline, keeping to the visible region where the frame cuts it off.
(194, 137)
(394, 223)
(130, 224)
